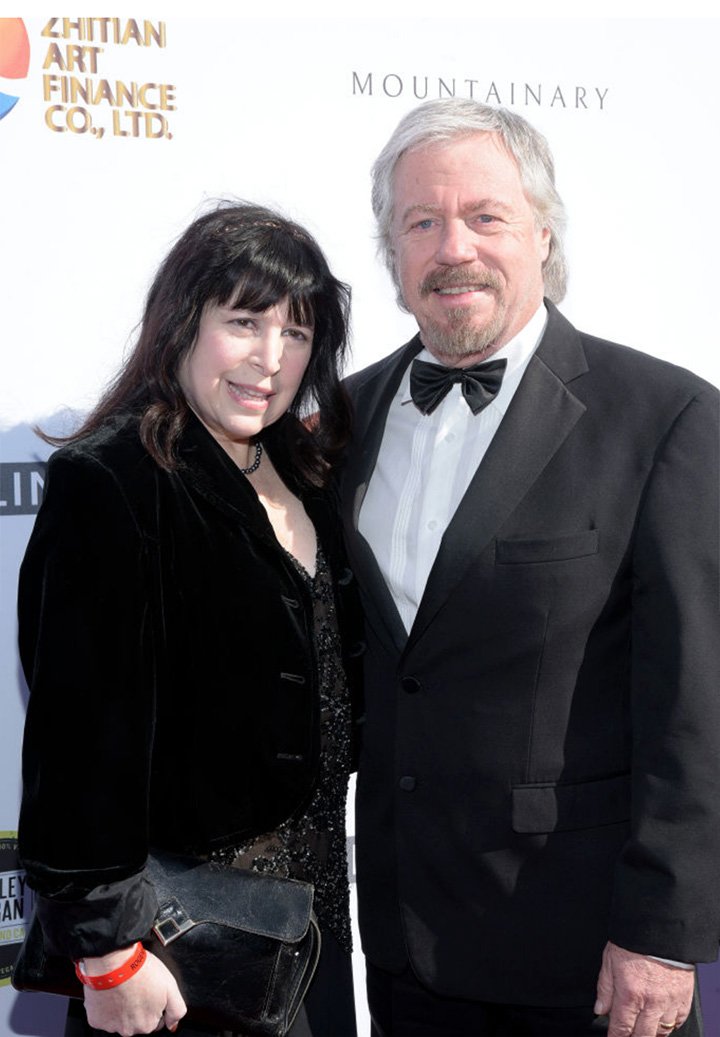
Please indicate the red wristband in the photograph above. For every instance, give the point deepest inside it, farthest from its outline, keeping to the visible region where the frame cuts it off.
(119, 975)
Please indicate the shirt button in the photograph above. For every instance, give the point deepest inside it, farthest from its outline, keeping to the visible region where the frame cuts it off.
(432, 524)
(410, 685)
(407, 783)
(450, 437)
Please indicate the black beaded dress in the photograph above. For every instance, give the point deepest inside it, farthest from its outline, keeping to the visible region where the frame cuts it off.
(311, 845)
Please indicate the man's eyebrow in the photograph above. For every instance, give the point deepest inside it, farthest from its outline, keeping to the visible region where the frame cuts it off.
(479, 205)
(419, 210)
(490, 205)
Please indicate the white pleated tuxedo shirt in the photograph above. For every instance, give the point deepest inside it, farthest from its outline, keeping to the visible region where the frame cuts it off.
(424, 467)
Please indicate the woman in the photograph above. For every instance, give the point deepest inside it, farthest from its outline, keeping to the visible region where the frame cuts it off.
(179, 605)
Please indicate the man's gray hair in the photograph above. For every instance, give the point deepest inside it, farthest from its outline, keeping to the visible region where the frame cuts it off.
(438, 122)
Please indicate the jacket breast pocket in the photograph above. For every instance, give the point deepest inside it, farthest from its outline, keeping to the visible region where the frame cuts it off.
(549, 807)
(547, 549)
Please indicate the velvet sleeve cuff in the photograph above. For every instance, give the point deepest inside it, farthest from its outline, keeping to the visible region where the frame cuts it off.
(107, 918)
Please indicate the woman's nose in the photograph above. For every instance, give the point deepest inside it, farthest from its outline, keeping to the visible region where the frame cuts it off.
(268, 351)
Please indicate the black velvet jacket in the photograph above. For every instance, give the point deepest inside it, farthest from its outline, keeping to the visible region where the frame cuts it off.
(167, 642)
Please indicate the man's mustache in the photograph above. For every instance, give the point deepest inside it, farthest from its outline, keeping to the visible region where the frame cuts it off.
(459, 277)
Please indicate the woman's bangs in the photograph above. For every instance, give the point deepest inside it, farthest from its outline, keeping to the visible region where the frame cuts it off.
(257, 289)
(301, 307)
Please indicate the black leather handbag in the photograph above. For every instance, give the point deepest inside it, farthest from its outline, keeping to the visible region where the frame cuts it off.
(242, 946)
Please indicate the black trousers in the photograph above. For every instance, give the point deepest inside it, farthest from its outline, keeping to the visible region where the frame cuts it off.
(400, 1006)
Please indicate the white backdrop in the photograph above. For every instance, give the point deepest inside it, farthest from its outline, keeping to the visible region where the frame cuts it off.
(291, 112)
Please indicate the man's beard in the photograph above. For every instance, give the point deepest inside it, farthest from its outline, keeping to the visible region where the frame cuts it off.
(459, 337)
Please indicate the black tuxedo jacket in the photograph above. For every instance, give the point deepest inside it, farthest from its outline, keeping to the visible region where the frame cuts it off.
(541, 762)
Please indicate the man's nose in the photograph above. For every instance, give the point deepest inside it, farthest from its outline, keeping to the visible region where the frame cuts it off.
(456, 244)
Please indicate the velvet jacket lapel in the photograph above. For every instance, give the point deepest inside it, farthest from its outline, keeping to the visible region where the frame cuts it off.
(540, 417)
(208, 470)
(212, 473)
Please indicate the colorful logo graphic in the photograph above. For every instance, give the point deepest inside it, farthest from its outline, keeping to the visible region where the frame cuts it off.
(16, 904)
(14, 58)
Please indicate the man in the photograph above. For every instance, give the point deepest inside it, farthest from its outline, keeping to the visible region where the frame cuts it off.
(536, 545)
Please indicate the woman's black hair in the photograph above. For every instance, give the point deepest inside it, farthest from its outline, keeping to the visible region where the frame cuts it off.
(252, 258)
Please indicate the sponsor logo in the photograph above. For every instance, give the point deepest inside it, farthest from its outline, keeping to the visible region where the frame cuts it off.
(83, 77)
(81, 96)
(509, 94)
(16, 904)
(21, 487)
(14, 61)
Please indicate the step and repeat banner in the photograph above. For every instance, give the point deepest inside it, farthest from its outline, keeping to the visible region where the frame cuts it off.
(115, 132)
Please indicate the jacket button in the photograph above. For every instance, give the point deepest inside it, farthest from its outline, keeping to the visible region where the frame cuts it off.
(357, 649)
(294, 678)
(345, 577)
(410, 685)
(407, 783)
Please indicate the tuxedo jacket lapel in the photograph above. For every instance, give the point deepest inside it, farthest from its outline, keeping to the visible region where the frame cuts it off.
(540, 417)
(372, 399)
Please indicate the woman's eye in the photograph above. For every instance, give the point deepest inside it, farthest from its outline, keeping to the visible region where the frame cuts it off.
(298, 333)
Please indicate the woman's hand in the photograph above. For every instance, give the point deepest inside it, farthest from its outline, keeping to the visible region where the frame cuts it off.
(146, 1002)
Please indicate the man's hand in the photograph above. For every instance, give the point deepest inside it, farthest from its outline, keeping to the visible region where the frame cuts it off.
(148, 1001)
(644, 997)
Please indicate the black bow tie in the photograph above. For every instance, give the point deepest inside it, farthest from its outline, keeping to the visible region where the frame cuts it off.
(430, 383)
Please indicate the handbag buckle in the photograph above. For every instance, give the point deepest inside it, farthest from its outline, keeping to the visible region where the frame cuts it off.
(172, 921)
